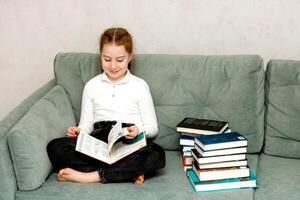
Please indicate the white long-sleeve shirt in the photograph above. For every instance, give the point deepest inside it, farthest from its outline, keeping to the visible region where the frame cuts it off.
(128, 100)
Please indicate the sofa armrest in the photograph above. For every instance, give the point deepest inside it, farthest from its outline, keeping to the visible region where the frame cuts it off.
(7, 176)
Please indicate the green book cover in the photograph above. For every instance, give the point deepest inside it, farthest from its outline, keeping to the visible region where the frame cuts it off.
(218, 185)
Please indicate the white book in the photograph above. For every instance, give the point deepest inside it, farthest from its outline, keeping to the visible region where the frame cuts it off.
(187, 153)
(221, 173)
(112, 151)
(234, 163)
(213, 159)
(185, 168)
(219, 152)
(187, 160)
(187, 148)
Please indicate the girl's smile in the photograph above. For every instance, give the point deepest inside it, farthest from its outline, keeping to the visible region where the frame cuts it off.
(115, 60)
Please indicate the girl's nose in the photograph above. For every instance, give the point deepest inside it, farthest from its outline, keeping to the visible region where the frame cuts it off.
(113, 67)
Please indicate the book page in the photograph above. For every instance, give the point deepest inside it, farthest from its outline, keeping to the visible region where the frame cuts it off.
(120, 150)
(93, 147)
(115, 133)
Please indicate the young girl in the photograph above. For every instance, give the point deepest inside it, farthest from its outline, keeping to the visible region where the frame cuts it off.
(114, 95)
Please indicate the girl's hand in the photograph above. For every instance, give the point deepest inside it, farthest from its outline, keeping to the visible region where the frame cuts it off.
(132, 132)
(73, 132)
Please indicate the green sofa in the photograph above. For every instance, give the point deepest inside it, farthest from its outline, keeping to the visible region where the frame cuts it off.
(263, 105)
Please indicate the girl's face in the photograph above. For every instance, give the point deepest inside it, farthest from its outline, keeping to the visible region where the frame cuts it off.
(115, 61)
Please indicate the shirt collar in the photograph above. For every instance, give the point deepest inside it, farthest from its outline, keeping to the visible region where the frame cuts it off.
(124, 80)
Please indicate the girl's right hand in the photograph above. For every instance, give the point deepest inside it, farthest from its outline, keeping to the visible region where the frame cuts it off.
(73, 132)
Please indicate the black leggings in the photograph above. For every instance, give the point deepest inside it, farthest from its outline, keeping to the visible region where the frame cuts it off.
(62, 154)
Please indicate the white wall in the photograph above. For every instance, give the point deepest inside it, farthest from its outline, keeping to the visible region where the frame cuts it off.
(33, 31)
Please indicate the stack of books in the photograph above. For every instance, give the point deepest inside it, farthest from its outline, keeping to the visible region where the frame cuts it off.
(190, 128)
(220, 163)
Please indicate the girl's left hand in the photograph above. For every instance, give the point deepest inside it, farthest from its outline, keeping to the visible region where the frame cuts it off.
(132, 132)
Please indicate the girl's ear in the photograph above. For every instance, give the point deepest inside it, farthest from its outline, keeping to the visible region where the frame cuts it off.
(130, 57)
(130, 60)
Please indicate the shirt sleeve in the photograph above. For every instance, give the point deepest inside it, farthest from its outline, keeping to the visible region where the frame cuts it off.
(147, 111)
(87, 111)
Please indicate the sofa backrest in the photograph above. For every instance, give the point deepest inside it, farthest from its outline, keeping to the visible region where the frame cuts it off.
(283, 108)
(73, 71)
(227, 88)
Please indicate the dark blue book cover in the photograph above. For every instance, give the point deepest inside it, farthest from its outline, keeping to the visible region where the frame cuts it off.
(220, 138)
(225, 140)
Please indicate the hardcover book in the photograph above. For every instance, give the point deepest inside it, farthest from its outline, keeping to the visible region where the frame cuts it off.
(187, 140)
(186, 160)
(185, 164)
(187, 148)
(219, 152)
(214, 159)
(227, 130)
(187, 153)
(220, 173)
(233, 163)
(221, 141)
(218, 185)
(201, 126)
(112, 151)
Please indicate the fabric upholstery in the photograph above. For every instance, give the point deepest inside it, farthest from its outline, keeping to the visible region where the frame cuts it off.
(227, 88)
(48, 118)
(278, 178)
(73, 71)
(221, 87)
(169, 183)
(7, 175)
(283, 108)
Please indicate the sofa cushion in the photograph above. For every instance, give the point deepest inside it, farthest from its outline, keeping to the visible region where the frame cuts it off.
(229, 88)
(283, 108)
(72, 71)
(169, 183)
(7, 175)
(47, 119)
(278, 178)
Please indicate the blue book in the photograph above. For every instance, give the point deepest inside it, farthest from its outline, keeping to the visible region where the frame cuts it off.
(187, 140)
(221, 141)
(217, 185)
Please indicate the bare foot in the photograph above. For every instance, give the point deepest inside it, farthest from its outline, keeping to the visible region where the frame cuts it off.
(139, 180)
(71, 175)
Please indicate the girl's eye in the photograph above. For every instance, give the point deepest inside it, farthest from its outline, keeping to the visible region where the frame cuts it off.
(120, 60)
(107, 60)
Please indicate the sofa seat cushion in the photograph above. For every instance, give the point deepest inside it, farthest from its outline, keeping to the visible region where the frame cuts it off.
(283, 108)
(48, 118)
(169, 183)
(278, 178)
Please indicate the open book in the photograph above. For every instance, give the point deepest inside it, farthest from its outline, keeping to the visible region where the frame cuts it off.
(113, 150)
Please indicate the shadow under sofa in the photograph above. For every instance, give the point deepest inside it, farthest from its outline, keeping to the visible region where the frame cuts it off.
(261, 104)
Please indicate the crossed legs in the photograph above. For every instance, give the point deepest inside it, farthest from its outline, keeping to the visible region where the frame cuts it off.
(75, 167)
